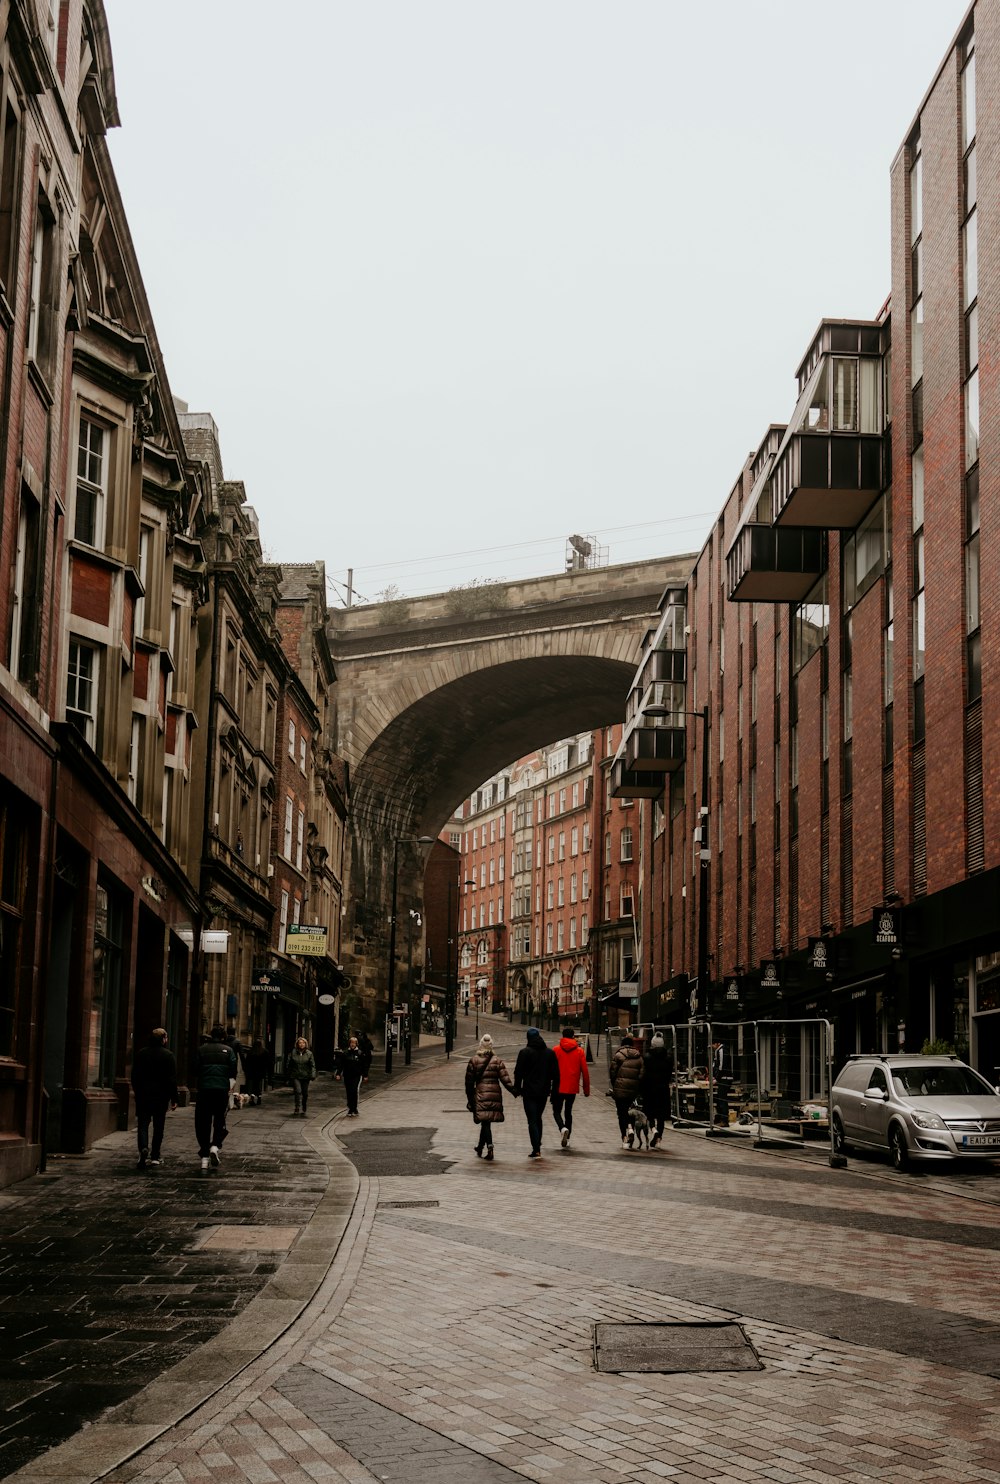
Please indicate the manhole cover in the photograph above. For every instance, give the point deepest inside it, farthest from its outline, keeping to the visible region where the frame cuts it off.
(404, 1205)
(673, 1347)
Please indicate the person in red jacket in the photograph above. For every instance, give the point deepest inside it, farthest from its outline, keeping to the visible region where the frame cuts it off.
(572, 1062)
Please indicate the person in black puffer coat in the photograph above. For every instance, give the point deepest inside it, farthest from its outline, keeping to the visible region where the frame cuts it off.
(536, 1077)
(625, 1076)
(216, 1068)
(657, 1075)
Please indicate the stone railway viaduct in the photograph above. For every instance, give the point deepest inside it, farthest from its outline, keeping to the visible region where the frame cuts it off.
(434, 694)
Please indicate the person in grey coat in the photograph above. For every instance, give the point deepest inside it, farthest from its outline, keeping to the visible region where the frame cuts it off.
(300, 1069)
(485, 1076)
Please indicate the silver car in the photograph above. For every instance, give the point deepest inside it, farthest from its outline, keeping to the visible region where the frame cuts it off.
(916, 1107)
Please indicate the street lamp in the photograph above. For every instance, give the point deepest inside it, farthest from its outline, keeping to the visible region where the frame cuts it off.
(391, 992)
(415, 921)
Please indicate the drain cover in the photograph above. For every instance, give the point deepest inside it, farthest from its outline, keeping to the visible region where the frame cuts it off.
(404, 1205)
(673, 1347)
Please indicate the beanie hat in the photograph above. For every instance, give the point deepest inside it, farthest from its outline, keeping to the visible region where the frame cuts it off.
(533, 1031)
(657, 1040)
(486, 1040)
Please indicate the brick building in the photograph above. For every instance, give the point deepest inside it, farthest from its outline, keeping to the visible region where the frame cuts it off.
(840, 630)
(549, 885)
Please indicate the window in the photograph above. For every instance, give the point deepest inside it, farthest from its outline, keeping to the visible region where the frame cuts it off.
(9, 160)
(607, 848)
(576, 795)
(299, 839)
(14, 838)
(296, 909)
(548, 937)
(145, 543)
(105, 1008)
(482, 873)
(626, 900)
(24, 630)
(562, 845)
(134, 758)
(562, 801)
(560, 892)
(291, 740)
(283, 920)
(810, 629)
(551, 849)
(482, 953)
(289, 815)
(585, 886)
(550, 895)
(41, 308)
(918, 605)
(93, 454)
(560, 942)
(572, 932)
(572, 887)
(574, 841)
(866, 550)
(493, 871)
(584, 930)
(81, 689)
(586, 838)
(302, 754)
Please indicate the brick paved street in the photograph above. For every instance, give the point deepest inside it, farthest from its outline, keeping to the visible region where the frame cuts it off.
(450, 1335)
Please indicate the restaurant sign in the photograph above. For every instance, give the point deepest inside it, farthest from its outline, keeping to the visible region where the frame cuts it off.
(887, 926)
(820, 955)
(770, 977)
(265, 982)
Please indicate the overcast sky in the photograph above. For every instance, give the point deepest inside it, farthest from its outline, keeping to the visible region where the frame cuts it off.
(457, 279)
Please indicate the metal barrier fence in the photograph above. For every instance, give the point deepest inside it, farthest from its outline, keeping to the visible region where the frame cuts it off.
(775, 1073)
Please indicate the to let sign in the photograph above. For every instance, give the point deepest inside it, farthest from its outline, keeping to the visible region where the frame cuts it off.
(305, 941)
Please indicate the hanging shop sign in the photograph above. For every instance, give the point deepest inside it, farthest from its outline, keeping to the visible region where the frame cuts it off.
(265, 982)
(306, 941)
(887, 926)
(770, 976)
(733, 994)
(820, 955)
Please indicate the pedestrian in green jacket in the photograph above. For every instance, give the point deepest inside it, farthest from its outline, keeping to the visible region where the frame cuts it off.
(300, 1069)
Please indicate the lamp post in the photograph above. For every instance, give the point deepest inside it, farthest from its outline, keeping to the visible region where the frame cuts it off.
(415, 921)
(391, 990)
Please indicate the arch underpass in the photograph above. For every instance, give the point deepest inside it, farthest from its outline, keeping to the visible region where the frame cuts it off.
(436, 694)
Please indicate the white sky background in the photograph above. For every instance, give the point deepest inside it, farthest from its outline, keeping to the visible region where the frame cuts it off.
(459, 278)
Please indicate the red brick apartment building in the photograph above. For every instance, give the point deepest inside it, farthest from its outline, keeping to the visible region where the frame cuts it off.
(842, 629)
(549, 883)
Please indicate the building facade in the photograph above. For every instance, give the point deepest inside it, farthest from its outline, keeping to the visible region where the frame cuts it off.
(833, 658)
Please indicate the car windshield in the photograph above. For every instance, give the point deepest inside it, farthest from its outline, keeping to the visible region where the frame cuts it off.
(939, 1082)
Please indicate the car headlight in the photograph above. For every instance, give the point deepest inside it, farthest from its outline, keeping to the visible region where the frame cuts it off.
(927, 1120)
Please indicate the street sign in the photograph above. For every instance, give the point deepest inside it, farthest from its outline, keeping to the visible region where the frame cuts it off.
(305, 940)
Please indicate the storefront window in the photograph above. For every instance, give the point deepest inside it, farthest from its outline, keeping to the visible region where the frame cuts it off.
(988, 982)
(104, 1009)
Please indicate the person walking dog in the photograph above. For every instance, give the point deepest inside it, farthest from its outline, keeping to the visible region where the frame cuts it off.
(571, 1062)
(485, 1076)
(657, 1075)
(536, 1077)
(300, 1069)
(625, 1075)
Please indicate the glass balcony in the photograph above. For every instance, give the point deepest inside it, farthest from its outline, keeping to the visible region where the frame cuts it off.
(626, 783)
(774, 564)
(828, 480)
(655, 749)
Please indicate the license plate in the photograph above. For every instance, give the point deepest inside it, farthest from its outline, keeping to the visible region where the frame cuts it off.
(981, 1141)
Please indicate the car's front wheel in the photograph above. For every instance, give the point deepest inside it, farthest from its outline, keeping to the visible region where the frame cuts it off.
(839, 1142)
(898, 1148)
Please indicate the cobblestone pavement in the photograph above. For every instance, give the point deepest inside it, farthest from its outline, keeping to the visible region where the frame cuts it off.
(451, 1336)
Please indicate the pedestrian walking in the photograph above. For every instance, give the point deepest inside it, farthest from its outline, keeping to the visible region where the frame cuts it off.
(353, 1070)
(536, 1077)
(625, 1075)
(657, 1075)
(255, 1065)
(300, 1069)
(485, 1076)
(215, 1072)
(154, 1082)
(571, 1060)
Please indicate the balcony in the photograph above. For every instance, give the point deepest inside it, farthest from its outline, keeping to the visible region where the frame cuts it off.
(654, 749)
(774, 564)
(660, 667)
(627, 783)
(828, 480)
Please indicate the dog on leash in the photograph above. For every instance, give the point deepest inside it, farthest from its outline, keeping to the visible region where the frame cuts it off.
(239, 1100)
(639, 1123)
